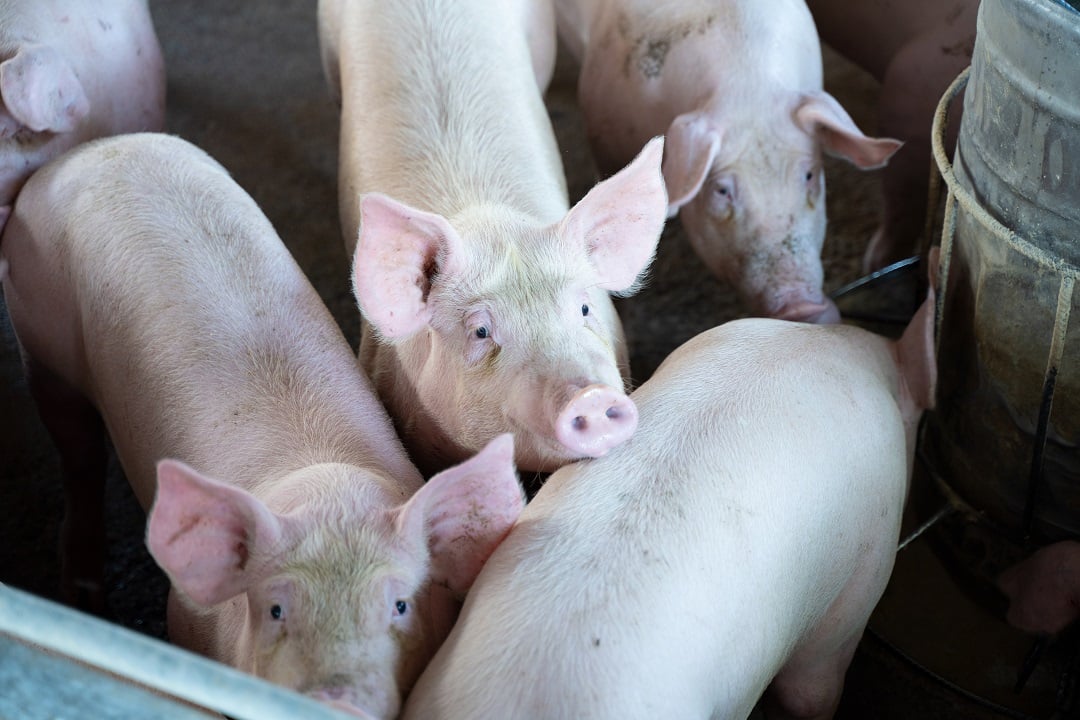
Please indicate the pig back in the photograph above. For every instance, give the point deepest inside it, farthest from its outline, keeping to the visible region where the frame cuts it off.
(162, 293)
(674, 576)
(647, 63)
(457, 102)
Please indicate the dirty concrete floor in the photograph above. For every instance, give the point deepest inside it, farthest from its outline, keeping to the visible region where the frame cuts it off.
(245, 84)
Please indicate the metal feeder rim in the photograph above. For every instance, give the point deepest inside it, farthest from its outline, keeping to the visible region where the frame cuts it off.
(969, 203)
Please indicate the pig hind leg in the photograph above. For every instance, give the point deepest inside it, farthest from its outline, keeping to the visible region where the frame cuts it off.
(79, 435)
(810, 685)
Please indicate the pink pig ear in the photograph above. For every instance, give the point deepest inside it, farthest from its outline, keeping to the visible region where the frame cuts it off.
(398, 253)
(204, 533)
(820, 115)
(466, 512)
(621, 219)
(915, 353)
(41, 91)
(693, 141)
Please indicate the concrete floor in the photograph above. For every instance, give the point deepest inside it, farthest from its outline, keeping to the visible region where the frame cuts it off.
(245, 84)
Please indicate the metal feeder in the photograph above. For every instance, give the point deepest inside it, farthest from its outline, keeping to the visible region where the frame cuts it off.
(998, 471)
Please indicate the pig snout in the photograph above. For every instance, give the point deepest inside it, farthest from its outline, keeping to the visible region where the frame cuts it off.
(809, 311)
(340, 698)
(802, 302)
(596, 419)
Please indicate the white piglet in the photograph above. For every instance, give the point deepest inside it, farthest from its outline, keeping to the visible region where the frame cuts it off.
(71, 71)
(486, 302)
(737, 542)
(152, 300)
(736, 87)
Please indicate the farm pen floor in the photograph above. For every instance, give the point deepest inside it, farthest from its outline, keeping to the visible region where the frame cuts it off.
(245, 84)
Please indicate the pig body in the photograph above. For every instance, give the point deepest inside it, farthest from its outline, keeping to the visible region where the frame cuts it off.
(736, 87)
(70, 71)
(915, 50)
(738, 541)
(486, 303)
(152, 299)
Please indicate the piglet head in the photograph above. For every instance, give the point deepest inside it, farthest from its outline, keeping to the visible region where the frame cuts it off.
(329, 585)
(751, 195)
(503, 324)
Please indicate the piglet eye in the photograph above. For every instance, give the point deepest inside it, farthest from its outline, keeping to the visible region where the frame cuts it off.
(401, 607)
(585, 311)
(482, 332)
(276, 612)
(809, 175)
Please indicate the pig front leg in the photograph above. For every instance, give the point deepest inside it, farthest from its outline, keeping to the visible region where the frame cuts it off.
(78, 432)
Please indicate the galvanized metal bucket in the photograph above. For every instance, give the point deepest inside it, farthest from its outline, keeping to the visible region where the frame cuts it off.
(1006, 431)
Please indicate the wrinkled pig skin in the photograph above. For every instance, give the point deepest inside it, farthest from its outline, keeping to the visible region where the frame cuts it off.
(735, 546)
(152, 300)
(736, 87)
(1044, 589)
(71, 71)
(486, 300)
(914, 49)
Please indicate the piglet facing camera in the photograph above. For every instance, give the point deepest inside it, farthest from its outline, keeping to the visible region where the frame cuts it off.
(320, 586)
(486, 298)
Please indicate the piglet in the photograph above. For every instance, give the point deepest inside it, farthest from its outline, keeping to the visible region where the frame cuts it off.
(486, 301)
(153, 300)
(70, 71)
(736, 86)
(737, 543)
(914, 49)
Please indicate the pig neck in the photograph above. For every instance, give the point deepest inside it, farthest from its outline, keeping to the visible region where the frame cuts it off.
(246, 398)
(460, 120)
(296, 411)
(432, 448)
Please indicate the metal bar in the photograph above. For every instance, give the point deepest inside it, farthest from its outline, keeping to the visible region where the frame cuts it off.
(151, 663)
(38, 685)
(933, 199)
(884, 272)
(948, 230)
(946, 509)
(1053, 362)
